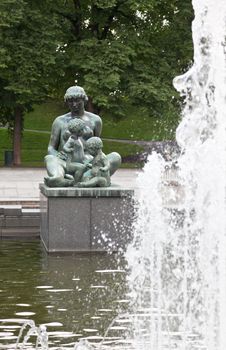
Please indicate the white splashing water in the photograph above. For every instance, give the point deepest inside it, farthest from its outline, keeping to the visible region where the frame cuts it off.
(178, 256)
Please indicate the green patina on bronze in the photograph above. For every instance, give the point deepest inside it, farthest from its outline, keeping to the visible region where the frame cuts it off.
(75, 156)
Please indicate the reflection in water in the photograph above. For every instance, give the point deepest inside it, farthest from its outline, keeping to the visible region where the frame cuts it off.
(73, 296)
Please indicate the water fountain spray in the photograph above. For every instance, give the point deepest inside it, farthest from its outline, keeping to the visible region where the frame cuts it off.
(178, 256)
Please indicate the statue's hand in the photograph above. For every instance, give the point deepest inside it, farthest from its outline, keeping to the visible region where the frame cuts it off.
(103, 169)
(62, 155)
(88, 166)
(68, 149)
(87, 133)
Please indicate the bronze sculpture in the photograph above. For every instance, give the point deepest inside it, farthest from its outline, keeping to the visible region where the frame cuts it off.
(69, 161)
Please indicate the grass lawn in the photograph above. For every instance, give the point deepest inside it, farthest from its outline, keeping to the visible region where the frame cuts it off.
(34, 148)
(42, 117)
(137, 125)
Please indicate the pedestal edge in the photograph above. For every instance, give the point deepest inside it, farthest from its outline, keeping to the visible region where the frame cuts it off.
(112, 191)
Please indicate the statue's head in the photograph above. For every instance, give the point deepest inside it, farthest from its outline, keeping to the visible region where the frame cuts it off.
(75, 92)
(76, 126)
(75, 97)
(93, 145)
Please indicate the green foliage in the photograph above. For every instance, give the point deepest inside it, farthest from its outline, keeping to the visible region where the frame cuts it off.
(28, 60)
(125, 52)
(5, 141)
(43, 115)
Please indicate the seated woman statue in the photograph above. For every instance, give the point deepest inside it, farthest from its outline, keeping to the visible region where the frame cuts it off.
(75, 98)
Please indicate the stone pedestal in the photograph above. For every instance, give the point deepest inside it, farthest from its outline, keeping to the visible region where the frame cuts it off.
(86, 219)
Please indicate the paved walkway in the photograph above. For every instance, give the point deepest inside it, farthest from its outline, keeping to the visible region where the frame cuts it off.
(22, 184)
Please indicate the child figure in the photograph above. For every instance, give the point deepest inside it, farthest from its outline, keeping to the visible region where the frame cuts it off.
(73, 151)
(99, 174)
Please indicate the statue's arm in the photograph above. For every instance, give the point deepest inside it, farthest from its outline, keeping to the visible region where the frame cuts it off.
(54, 138)
(106, 164)
(87, 133)
(98, 127)
(69, 146)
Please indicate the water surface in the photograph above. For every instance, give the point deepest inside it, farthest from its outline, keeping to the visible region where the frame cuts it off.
(77, 296)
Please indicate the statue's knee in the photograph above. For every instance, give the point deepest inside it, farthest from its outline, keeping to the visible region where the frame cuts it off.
(102, 182)
(49, 158)
(115, 161)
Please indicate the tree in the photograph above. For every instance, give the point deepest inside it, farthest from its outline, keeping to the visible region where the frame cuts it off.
(122, 51)
(28, 60)
(125, 51)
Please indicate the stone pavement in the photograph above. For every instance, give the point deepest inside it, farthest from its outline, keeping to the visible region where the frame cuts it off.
(18, 185)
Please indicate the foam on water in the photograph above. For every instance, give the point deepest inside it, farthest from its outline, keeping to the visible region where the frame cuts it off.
(178, 257)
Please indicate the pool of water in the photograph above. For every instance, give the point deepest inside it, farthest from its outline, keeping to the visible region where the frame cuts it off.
(75, 296)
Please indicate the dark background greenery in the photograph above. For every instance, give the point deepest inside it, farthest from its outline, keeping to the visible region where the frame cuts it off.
(125, 53)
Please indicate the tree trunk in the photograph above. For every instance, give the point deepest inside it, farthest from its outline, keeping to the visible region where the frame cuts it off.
(91, 107)
(17, 133)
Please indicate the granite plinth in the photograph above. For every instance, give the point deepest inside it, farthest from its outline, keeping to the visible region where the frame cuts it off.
(89, 219)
